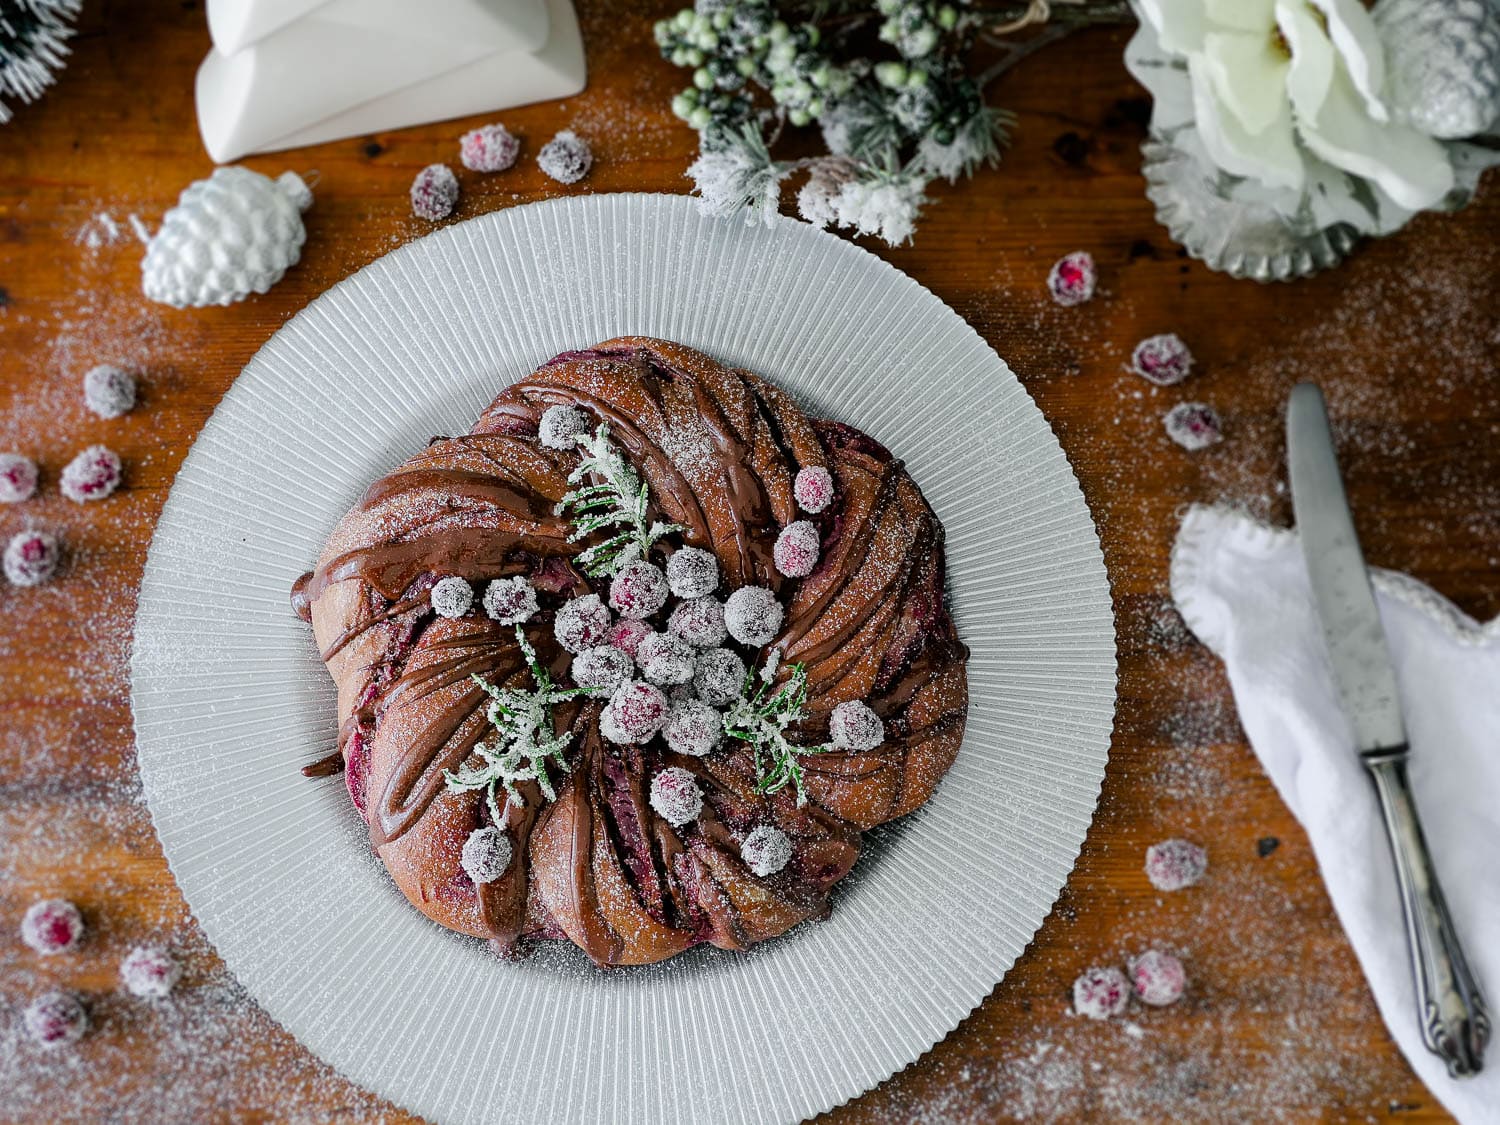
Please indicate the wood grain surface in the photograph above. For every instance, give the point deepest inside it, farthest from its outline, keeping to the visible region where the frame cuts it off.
(1277, 1023)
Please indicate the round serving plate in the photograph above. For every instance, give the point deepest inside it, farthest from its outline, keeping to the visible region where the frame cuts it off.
(231, 700)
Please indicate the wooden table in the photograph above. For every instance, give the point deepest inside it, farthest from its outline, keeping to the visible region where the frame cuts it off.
(1278, 1023)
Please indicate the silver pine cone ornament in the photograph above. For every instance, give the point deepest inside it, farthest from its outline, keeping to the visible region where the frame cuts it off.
(1442, 64)
(231, 235)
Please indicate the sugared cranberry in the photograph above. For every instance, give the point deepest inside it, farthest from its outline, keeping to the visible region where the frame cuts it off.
(55, 1019)
(1162, 360)
(853, 726)
(434, 192)
(561, 426)
(1101, 993)
(581, 623)
(719, 677)
(693, 728)
(797, 549)
(52, 926)
(665, 659)
(1159, 978)
(766, 850)
(486, 855)
(510, 601)
(109, 391)
(699, 622)
(150, 972)
(603, 666)
(753, 615)
(675, 796)
(31, 558)
(1073, 278)
(452, 596)
(1175, 864)
(92, 475)
(566, 157)
(17, 478)
(692, 572)
(627, 635)
(639, 590)
(489, 148)
(813, 488)
(1193, 425)
(636, 711)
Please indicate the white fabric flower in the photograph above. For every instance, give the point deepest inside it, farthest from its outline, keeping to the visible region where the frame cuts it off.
(1283, 91)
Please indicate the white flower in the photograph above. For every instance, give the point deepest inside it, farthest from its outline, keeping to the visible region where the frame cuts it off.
(1282, 90)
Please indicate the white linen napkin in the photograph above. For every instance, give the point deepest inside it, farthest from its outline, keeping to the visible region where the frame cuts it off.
(1242, 587)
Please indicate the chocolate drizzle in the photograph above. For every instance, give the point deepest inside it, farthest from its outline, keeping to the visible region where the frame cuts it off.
(719, 450)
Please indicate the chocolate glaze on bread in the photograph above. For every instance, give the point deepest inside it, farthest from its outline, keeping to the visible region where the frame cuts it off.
(719, 450)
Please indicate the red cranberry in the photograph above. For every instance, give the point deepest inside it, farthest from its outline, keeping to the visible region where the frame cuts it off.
(766, 850)
(1193, 425)
(17, 478)
(489, 148)
(692, 572)
(1162, 360)
(92, 475)
(55, 1019)
(149, 972)
(853, 726)
(434, 192)
(1073, 279)
(1101, 993)
(639, 590)
(675, 796)
(52, 926)
(699, 622)
(797, 549)
(693, 728)
(1174, 864)
(813, 488)
(581, 623)
(636, 711)
(31, 558)
(753, 615)
(1159, 978)
(628, 634)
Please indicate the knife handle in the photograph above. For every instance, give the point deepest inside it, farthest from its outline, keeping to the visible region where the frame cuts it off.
(1455, 1024)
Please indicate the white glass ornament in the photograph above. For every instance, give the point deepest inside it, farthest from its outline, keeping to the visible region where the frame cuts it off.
(231, 235)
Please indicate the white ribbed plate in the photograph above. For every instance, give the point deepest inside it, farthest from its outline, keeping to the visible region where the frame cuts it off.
(230, 698)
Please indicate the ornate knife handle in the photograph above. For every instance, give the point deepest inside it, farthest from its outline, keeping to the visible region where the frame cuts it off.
(1455, 1024)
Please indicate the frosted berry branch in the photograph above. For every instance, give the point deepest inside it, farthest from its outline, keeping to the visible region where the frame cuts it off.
(891, 124)
(527, 741)
(618, 499)
(760, 717)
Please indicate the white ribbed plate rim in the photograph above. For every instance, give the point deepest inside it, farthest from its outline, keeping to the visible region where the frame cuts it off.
(230, 698)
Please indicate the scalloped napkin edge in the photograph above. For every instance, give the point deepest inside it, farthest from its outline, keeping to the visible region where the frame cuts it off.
(1242, 588)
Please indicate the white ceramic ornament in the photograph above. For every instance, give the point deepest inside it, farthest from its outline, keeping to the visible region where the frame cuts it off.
(231, 235)
(1442, 64)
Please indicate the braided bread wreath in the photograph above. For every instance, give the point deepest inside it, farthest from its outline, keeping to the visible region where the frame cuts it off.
(646, 830)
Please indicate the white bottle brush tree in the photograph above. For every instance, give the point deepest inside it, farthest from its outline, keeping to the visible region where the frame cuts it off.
(895, 86)
(33, 47)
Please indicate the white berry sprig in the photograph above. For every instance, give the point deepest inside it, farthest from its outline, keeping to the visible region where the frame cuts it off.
(618, 499)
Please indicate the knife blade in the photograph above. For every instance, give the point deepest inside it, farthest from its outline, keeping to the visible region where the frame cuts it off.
(1451, 1009)
(1362, 669)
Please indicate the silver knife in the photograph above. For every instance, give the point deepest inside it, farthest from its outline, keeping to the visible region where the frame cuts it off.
(1455, 1025)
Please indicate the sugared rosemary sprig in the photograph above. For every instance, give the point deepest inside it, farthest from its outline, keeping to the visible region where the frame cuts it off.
(760, 717)
(527, 739)
(619, 499)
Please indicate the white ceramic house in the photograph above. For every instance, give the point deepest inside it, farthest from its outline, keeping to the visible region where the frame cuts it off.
(284, 73)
